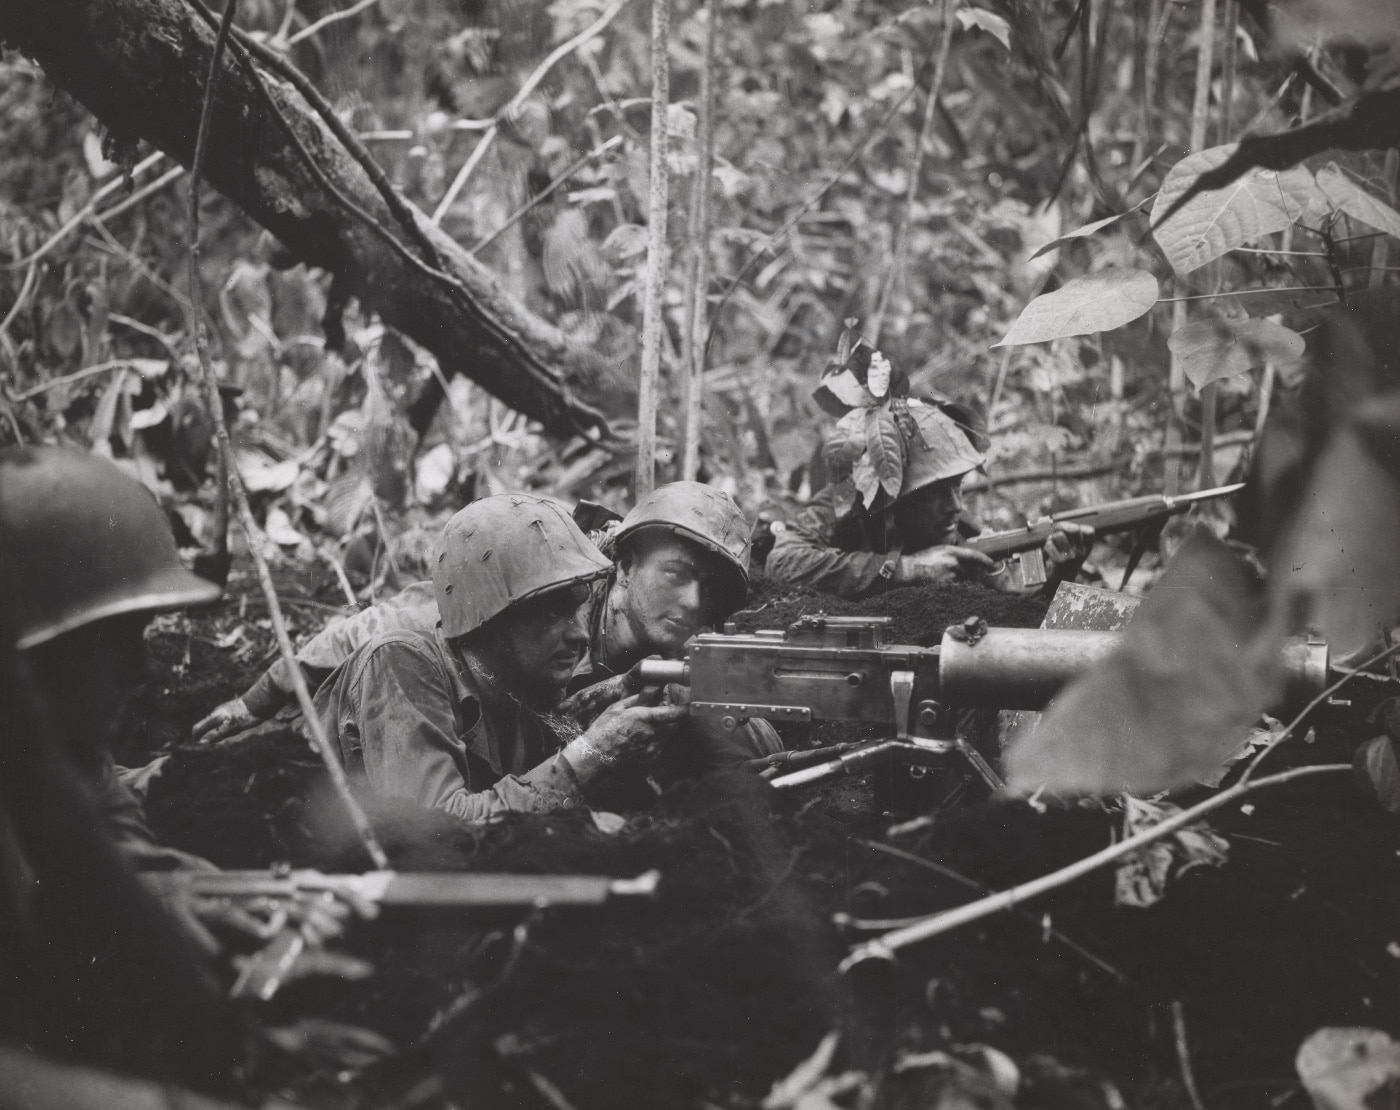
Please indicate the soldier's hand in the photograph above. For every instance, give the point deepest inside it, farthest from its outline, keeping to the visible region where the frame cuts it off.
(942, 564)
(226, 720)
(1067, 548)
(629, 730)
(588, 703)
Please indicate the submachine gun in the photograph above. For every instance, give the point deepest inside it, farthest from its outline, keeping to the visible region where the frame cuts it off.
(826, 668)
(275, 902)
(1146, 515)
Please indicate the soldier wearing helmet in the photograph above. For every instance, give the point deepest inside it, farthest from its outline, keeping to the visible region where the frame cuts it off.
(464, 718)
(913, 537)
(681, 564)
(86, 557)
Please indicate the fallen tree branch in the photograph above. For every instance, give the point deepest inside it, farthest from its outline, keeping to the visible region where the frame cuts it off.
(885, 947)
(1095, 469)
(235, 478)
(136, 65)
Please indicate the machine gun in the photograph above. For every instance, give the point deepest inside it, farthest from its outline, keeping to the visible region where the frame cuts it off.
(1148, 513)
(841, 669)
(273, 900)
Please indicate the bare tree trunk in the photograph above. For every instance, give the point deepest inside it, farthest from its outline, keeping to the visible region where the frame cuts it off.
(1199, 117)
(652, 322)
(138, 66)
(698, 273)
(916, 166)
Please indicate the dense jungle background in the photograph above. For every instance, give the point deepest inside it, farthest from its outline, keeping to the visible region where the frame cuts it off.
(1150, 245)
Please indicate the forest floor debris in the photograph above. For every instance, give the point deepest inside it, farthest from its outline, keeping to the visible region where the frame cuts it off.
(727, 981)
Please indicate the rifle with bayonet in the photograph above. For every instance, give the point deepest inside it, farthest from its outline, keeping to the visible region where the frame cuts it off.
(281, 907)
(1148, 514)
(825, 668)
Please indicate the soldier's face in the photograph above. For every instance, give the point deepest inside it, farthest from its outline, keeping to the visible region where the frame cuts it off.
(669, 587)
(928, 517)
(544, 638)
(89, 674)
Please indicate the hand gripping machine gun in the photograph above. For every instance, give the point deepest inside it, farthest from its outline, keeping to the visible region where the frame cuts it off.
(841, 669)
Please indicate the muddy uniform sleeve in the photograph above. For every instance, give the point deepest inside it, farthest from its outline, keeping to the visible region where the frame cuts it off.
(806, 555)
(414, 608)
(120, 812)
(401, 720)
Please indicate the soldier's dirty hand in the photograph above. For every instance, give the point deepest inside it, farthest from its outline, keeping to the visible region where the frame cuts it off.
(941, 564)
(1067, 548)
(627, 730)
(585, 705)
(226, 720)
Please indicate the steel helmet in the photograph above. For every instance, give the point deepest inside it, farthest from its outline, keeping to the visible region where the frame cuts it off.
(81, 540)
(704, 515)
(944, 448)
(504, 549)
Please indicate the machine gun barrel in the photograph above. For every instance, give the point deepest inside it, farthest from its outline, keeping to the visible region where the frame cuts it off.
(840, 669)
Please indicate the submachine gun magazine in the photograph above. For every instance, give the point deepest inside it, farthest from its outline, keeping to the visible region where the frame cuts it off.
(1145, 514)
(841, 669)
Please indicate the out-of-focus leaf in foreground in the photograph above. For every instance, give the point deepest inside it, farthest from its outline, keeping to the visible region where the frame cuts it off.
(1337, 565)
(1196, 667)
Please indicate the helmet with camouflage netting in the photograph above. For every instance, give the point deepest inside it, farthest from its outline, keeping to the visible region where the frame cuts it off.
(501, 550)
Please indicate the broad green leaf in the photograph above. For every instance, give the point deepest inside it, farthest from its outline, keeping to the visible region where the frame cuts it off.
(1100, 301)
(844, 443)
(885, 448)
(1219, 220)
(1376, 763)
(1193, 671)
(1339, 560)
(1211, 349)
(624, 242)
(866, 479)
(839, 393)
(984, 20)
(1078, 233)
(1356, 202)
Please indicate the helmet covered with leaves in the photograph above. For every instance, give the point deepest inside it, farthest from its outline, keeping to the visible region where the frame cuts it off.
(81, 540)
(885, 441)
(501, 550)
(703, 515)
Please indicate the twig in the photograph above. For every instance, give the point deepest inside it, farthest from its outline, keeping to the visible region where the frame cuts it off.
(653, 322)
(548, 1091)
(916, 166)
(973, 884)
(1183, 1056)
(520, 213)
(940, 923)
(76, 376)
(1327, 693)
(697, 278)
(26, 285)
(327, 20)
(79, 217)
(512, 105)
(1251, 292)
(341, 579)
(815, 199)
(245, 512)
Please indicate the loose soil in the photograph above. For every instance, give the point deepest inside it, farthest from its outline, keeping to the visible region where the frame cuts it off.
(724, 982)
